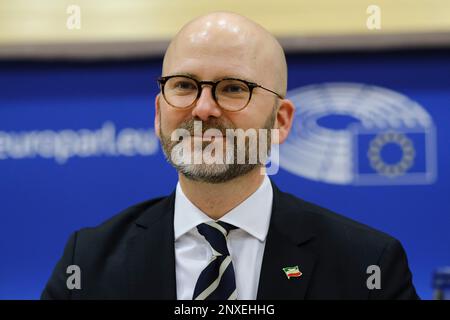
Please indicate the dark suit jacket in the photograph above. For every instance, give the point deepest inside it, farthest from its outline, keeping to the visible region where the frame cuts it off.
(132, 256)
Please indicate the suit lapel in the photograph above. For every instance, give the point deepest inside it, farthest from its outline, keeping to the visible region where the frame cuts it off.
(289, 243)
(151, 254)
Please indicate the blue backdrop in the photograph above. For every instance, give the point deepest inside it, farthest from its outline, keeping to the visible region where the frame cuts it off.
(77, 146)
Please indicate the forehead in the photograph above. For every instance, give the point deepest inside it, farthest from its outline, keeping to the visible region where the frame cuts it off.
(212, 70)
(213, 55)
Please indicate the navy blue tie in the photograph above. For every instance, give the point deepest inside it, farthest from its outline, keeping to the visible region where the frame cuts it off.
(217, 280)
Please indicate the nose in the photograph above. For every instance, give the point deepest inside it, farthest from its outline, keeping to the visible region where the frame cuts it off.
(206, 106)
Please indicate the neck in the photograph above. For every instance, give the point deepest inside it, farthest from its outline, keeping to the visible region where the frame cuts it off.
(216, 199)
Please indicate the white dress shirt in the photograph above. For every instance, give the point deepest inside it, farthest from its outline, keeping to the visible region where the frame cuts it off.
(246, 244)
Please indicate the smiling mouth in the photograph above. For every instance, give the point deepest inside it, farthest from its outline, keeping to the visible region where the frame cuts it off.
(207, 136)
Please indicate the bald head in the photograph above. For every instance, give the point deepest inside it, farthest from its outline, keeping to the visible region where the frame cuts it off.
(232, 45)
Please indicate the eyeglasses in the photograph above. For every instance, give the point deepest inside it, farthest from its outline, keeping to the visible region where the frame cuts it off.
(230, 94)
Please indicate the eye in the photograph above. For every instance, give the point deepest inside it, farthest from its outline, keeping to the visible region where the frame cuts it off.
(234, 88)
(185, 85)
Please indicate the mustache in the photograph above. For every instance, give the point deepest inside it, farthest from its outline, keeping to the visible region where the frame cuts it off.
(205, 125)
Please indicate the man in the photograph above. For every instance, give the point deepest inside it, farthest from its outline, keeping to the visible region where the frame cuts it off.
(227, 231)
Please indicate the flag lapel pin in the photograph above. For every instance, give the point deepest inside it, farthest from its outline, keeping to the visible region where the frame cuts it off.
(292, 272)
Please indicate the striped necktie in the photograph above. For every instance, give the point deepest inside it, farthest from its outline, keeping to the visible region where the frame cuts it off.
(216, 281)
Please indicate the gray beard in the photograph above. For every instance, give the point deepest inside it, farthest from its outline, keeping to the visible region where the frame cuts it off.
(215, 173)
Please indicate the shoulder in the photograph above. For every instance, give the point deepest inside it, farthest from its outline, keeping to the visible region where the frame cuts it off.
(119, 227)
(99, 251)
(346, 250)
(331, 229)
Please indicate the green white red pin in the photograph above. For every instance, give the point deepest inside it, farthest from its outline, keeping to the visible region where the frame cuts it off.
(292, 272)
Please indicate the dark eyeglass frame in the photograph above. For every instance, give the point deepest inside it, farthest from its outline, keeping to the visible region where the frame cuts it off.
(251, 85)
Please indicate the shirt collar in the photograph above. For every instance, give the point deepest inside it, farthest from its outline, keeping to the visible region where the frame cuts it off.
(252, 215)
